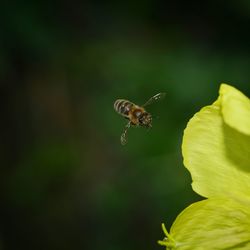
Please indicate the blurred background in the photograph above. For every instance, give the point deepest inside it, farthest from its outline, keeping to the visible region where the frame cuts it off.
(66, 181)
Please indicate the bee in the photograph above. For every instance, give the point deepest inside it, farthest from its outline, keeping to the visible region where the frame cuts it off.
(137, 115)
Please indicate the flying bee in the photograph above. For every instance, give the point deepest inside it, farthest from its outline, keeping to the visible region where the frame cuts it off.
(137, 115)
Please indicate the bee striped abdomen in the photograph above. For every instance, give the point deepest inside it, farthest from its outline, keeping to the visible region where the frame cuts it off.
(123, 107)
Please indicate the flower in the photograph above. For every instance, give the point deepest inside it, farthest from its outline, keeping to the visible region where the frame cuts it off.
(216, 151)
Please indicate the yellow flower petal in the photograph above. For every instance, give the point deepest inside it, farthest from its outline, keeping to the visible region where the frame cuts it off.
(216, 151)
(212, 224)
(217, 155)
(235, 108)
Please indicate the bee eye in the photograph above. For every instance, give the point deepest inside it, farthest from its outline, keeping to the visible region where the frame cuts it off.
(142, 119)
(138, 114)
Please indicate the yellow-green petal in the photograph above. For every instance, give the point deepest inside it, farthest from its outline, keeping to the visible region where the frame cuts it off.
(212, 224)
(235, 108)
(217, 155)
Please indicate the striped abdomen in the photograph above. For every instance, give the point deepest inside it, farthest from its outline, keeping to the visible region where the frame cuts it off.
(123, 107)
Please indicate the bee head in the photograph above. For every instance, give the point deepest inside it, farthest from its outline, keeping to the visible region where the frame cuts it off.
(146, 120)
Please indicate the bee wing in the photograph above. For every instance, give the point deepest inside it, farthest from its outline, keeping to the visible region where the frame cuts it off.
(154, 98)
(124, 134)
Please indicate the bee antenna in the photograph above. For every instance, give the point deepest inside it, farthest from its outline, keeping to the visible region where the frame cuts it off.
(155, 117)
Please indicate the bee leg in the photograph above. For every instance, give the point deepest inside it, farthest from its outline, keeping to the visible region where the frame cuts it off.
(149, 127)
(124, 134)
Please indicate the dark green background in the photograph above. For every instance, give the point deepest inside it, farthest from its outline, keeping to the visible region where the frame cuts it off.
(66, 181)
